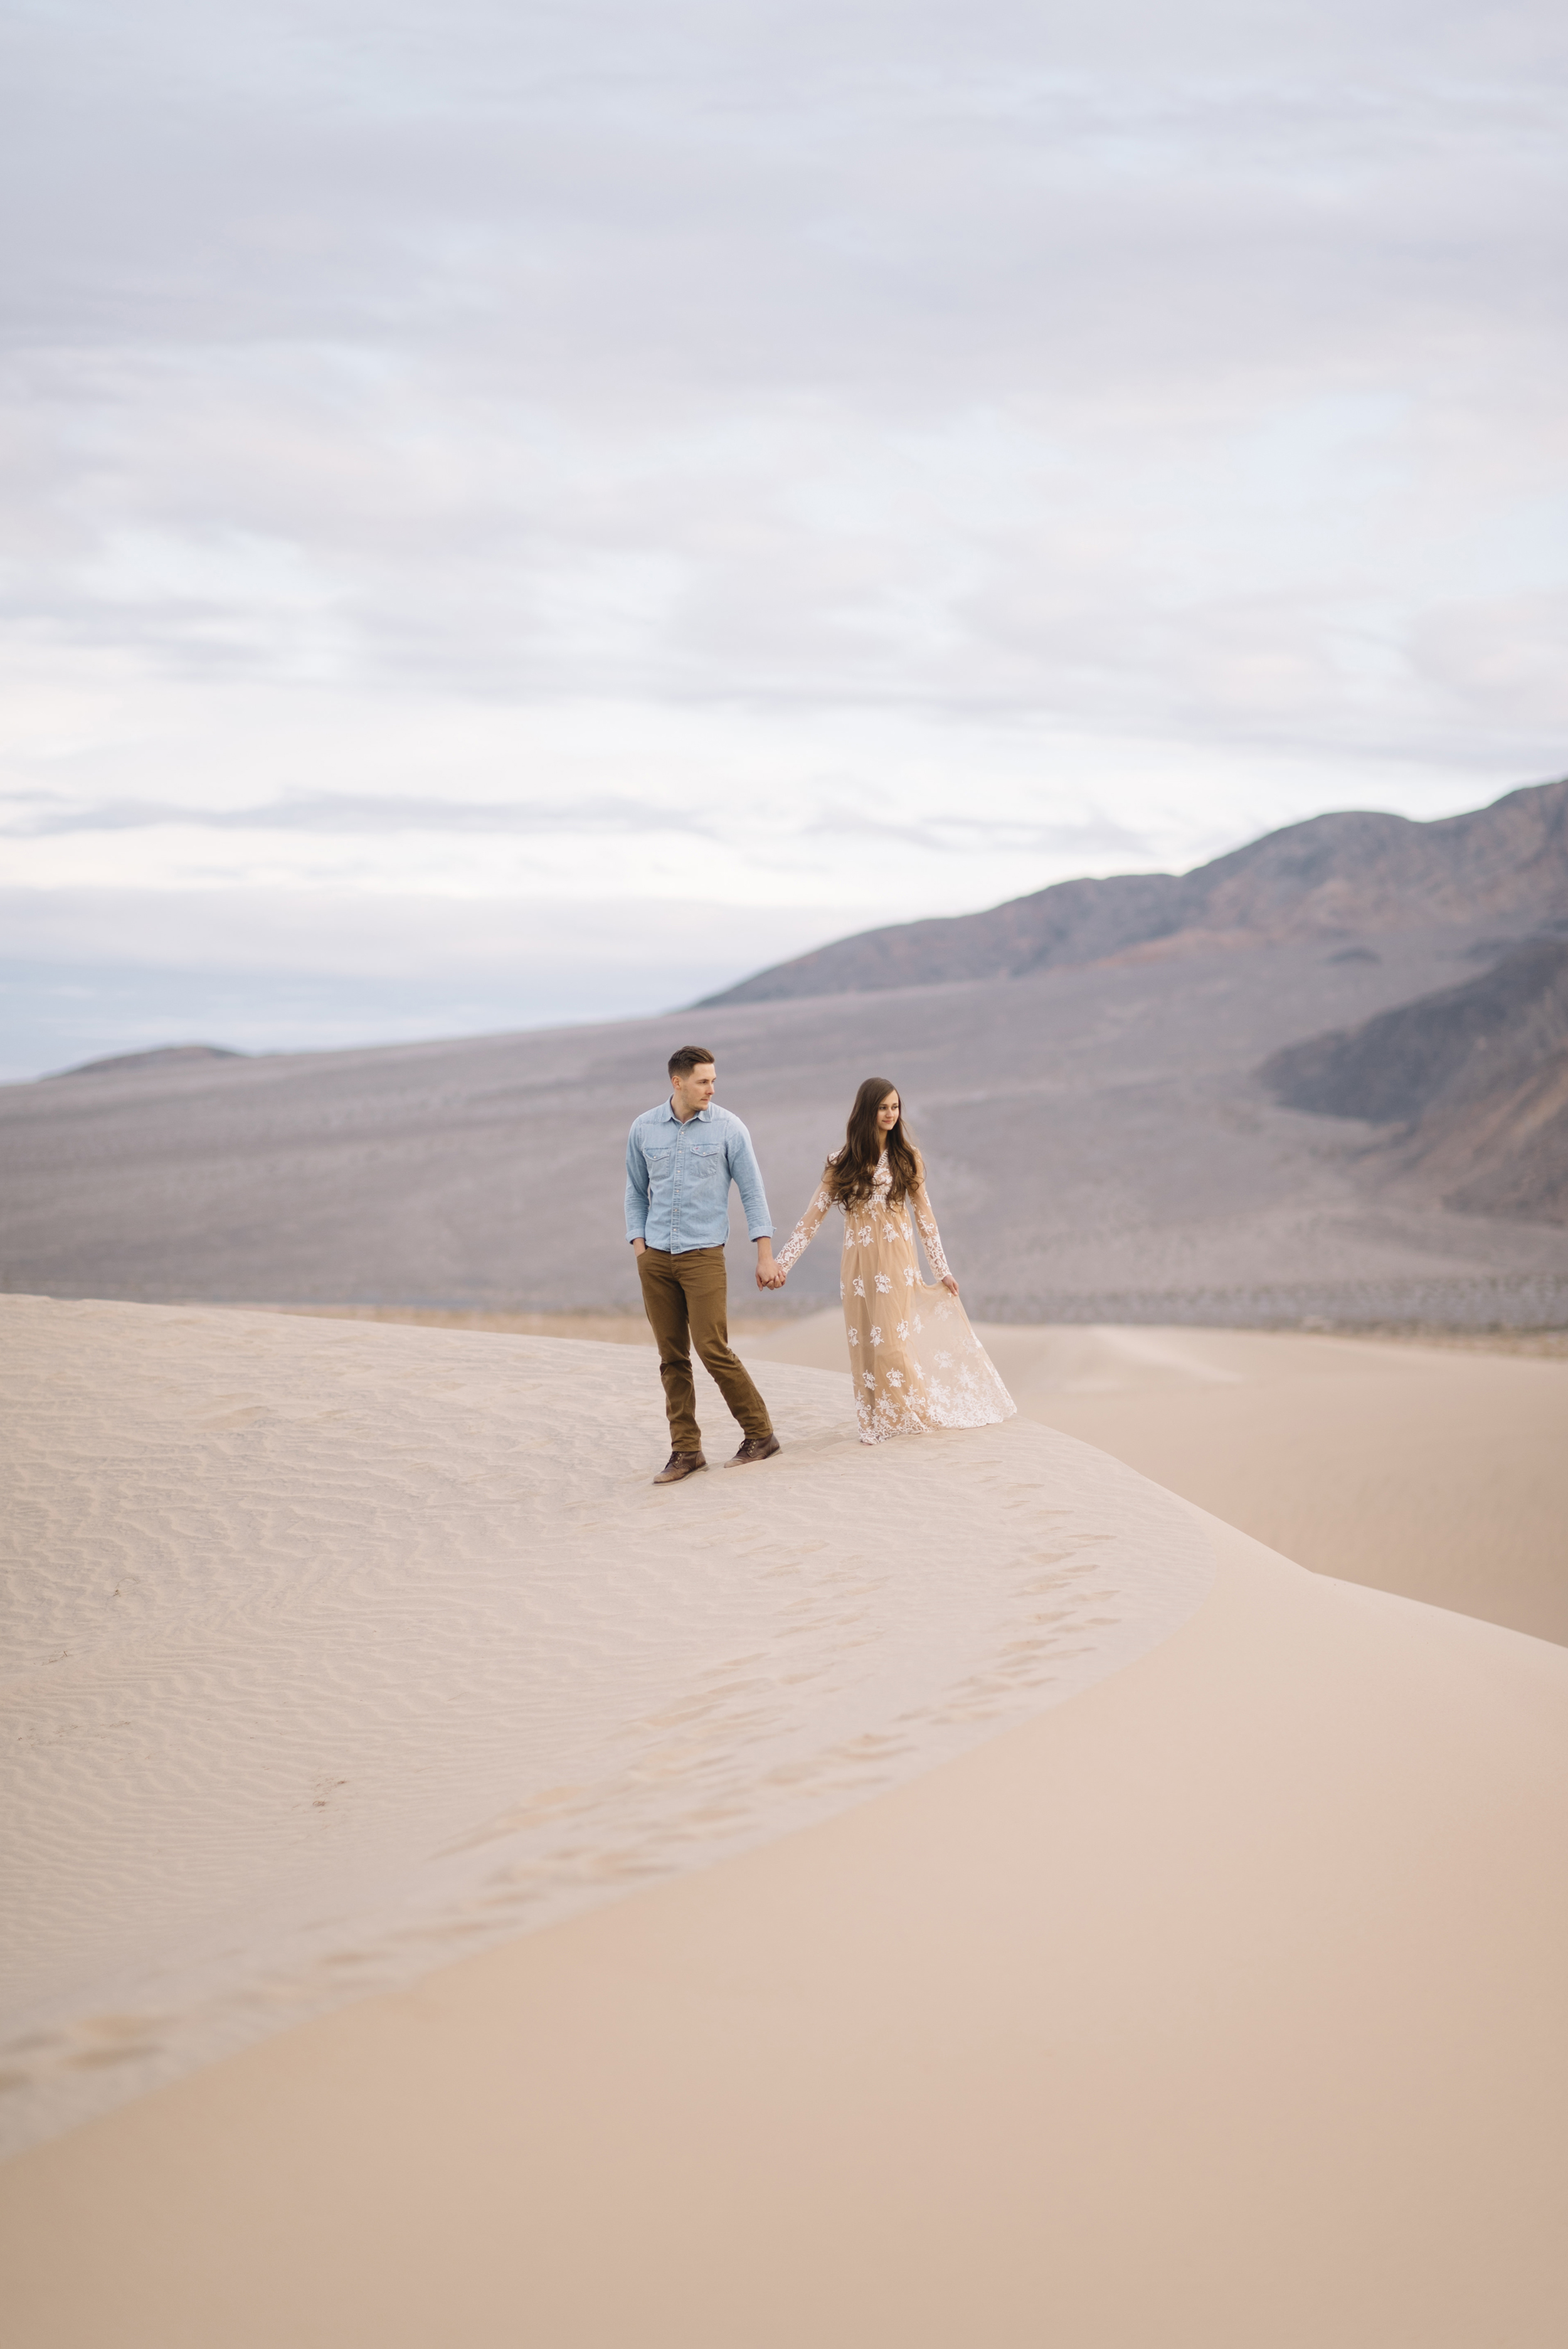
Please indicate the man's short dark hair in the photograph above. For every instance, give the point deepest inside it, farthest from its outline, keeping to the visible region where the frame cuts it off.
(690, 1057)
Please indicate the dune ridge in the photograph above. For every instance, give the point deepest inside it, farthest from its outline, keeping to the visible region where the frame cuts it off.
(1428, 1464)
(1436, 1472)
(337, 1650)
(1222, 2006)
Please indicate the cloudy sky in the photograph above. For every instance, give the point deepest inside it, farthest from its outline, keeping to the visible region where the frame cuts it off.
(520, 512)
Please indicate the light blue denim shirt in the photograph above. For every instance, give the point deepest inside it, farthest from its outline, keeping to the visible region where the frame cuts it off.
(678, 1178)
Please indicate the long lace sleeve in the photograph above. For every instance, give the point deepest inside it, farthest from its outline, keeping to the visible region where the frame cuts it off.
(926, 1224)
(806, 1230)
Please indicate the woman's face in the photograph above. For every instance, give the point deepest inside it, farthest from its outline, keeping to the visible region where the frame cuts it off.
(888, 1114)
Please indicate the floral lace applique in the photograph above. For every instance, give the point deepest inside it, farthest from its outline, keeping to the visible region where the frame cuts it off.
(931, 1369)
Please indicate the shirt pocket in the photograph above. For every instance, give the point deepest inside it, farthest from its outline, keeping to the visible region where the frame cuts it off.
(659, 1159)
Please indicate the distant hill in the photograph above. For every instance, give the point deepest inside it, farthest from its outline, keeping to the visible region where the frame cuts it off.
(1333, 876)
(162, 1056)
(1476, 1076)
(1100, 1147)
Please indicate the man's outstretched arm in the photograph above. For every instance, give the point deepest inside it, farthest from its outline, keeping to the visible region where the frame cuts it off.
(746, 1176)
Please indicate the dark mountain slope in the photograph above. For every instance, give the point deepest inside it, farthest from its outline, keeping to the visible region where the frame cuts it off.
(1507, 1151)
(1335, 875)
(1476, 1077)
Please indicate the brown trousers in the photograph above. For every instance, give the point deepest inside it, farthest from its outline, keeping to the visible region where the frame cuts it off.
(686, 1302)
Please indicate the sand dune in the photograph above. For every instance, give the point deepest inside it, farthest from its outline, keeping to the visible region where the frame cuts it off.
(710, 1924)
(1438, 1472)
(1220, 2006)
(334, 1651)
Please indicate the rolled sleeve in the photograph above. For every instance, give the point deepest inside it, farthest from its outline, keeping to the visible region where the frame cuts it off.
(747, 1178)
(637, 1190)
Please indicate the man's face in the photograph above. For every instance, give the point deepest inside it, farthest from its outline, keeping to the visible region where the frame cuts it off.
(693, 1088)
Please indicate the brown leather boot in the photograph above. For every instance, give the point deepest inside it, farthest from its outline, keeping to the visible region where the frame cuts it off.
(756, 1447)
(679, 1464)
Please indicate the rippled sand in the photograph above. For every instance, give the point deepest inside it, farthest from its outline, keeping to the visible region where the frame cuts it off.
(1437, 1470)
(702, 1922)
(334, 1651)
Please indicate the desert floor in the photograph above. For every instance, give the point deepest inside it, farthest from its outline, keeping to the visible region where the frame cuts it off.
(1163, 1183)
(957, 1891)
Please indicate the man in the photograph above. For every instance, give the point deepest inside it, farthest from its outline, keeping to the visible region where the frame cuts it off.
(681, 1159)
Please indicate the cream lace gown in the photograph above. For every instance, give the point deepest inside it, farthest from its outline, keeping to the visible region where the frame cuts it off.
(914, 1360)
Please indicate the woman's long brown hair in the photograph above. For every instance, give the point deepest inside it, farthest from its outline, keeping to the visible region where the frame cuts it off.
(847, 1178)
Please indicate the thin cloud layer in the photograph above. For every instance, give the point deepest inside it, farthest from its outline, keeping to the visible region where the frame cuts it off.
(344, 813)
(851, 454)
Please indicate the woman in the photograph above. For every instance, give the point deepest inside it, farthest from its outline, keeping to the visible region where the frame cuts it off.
(914, 1360)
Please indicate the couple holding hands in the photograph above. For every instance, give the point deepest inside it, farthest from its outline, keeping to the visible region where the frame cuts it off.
(914, 1361)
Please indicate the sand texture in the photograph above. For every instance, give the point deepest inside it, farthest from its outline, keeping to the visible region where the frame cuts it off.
(334, 1651)
(1438, 1473)
(1220, 2007)
(1101, 1149)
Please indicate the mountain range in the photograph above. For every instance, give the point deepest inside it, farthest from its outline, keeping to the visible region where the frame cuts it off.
(1323, 1081)
(1337, 877)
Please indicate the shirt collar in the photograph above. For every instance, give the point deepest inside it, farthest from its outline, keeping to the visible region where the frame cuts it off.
(703, 1117)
